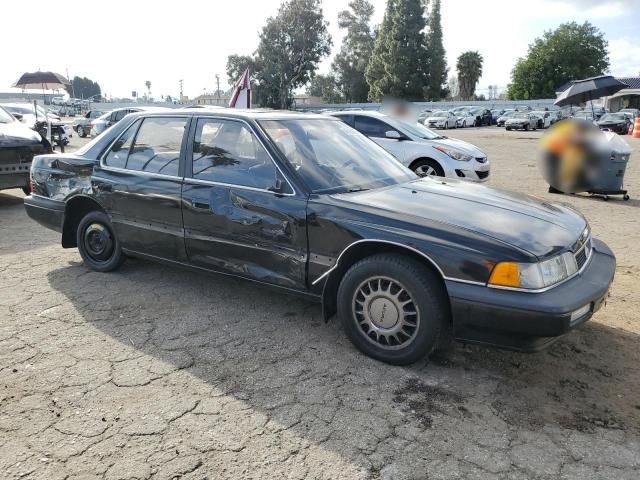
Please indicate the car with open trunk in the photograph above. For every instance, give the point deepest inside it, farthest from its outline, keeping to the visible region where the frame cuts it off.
(307, 204)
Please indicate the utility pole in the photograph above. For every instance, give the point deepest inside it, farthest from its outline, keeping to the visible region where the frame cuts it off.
(218, 87)
(73, 93)
(181, 83)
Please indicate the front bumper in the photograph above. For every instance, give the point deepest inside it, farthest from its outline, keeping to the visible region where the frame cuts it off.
(531, 321)
(47, 212)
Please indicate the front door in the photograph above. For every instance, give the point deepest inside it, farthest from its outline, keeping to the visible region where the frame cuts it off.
(139, 182)
(377, 130)
(241, 216)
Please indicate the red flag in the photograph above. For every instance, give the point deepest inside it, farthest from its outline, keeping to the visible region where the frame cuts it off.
(241, 97)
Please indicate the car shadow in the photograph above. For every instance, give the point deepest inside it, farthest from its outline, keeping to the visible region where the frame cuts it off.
(274, 352)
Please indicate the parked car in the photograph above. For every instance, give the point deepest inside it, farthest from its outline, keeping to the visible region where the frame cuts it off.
(40, 121)
(100, 124)
(82, 125)
(504, 117)
(18, 145)
(616, 122)
(464, 118)
(422, 150)
(522, 121)
(441, 119)
(634, 112)
(305, 203)
(544, 118)
(586, 115)
(483, 116)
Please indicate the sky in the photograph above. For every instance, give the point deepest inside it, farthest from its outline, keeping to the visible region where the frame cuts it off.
(121, 44)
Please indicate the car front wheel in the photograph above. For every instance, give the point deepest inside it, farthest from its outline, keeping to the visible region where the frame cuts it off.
(98, 245)
(427, 168)
(393, 308)
(81, 132)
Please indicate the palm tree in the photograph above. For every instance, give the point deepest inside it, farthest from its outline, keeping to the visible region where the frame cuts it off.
(148, 85)
(469, 68)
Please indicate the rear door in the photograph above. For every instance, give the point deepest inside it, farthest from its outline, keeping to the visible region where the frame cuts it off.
(233, 220)
(139, 182)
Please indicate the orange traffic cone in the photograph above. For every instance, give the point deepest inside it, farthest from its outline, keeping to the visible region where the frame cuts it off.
(636, 129)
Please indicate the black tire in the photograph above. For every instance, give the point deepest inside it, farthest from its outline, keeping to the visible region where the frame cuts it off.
(464, 124)
(26, 189)
(81, 131)
(425, 295)
(526, 127)
(98, 244)
(427, 164)
(508, 128)
(555, 190)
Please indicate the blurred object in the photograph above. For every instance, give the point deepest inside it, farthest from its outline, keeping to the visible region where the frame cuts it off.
(241, 97)
(578, 157)
(583, 91)
(399, 108)
(636, 128)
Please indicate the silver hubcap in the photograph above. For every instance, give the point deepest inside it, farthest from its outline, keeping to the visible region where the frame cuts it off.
(426, 171)
(385, 313)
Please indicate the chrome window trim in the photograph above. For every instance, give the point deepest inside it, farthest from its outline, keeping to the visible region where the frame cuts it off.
(408, 247)
(140, 172)
(266, 150)
(197, 181)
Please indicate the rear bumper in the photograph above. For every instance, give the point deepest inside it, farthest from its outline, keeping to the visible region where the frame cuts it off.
(14, 180)
(48, 213)
(531, 321)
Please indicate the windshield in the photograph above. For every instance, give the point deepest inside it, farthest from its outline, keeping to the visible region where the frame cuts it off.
(439, 114)
(521, 115)
(508, 114)
(332, 157)
(16, 109)
(417, 129)
(5, 117)
(613, 117)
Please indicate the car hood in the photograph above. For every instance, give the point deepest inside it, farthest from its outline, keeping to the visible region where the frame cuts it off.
(530, 224)
(517, 120)
(16, 134)
(464, 147)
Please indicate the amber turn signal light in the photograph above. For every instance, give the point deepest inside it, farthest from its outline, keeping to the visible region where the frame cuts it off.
(505, 274)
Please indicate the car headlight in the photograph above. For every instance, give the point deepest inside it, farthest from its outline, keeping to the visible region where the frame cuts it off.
(455, 154)
(533, 276)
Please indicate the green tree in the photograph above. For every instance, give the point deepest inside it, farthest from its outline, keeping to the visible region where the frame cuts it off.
(148, 85)
(84, 88)
(436, 88)
(351, 62)
(291, 46)
(325, 87)
(469, 67)
(397, 66)
(570, 52)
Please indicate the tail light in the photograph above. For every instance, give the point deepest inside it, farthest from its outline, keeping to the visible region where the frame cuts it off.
(32, 183)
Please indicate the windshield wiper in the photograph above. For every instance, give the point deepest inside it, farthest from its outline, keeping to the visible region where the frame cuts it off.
(357, 189)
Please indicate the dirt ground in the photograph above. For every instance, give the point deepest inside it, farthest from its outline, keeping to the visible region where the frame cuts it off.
(154, 372)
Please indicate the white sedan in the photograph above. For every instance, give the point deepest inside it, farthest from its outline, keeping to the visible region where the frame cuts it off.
(465, 119)
(441, 119)
(422, 150)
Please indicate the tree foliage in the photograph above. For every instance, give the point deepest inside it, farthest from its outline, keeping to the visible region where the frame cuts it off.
(291, 46)
(469, 67)
(84, 88)
(351, 62)
(570, 52)
(325, 87)
(397, 66)
(436, 88)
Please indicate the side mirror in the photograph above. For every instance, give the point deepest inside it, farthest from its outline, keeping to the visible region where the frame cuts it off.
(392, 134)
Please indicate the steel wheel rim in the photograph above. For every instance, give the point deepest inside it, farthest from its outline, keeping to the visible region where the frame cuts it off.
(385, 313)
(98, 242)
(426, 171)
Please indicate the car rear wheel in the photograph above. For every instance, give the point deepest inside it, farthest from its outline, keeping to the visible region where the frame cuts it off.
(81, 132)
(428, 168)
(392, 308)
(98, 244)
(464, 124)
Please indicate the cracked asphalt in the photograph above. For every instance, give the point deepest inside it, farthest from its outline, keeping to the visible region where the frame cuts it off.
(153, 372)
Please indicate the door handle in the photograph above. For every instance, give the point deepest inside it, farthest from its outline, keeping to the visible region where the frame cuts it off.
(200, 205)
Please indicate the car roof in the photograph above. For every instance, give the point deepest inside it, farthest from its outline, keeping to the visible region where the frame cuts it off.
(254, 114)
(366, 113)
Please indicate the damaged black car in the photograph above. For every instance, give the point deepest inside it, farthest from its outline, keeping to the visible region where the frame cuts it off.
(18, 145)
(305, 203)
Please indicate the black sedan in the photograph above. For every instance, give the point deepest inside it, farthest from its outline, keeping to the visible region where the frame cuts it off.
(305, 203)
(18, 145)
(616, 122)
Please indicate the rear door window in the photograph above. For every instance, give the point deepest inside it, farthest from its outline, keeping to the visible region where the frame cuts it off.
(156, 148)
(117, 155)
(371, 127)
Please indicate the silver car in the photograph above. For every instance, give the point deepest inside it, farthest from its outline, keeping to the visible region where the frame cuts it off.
(522, 121)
